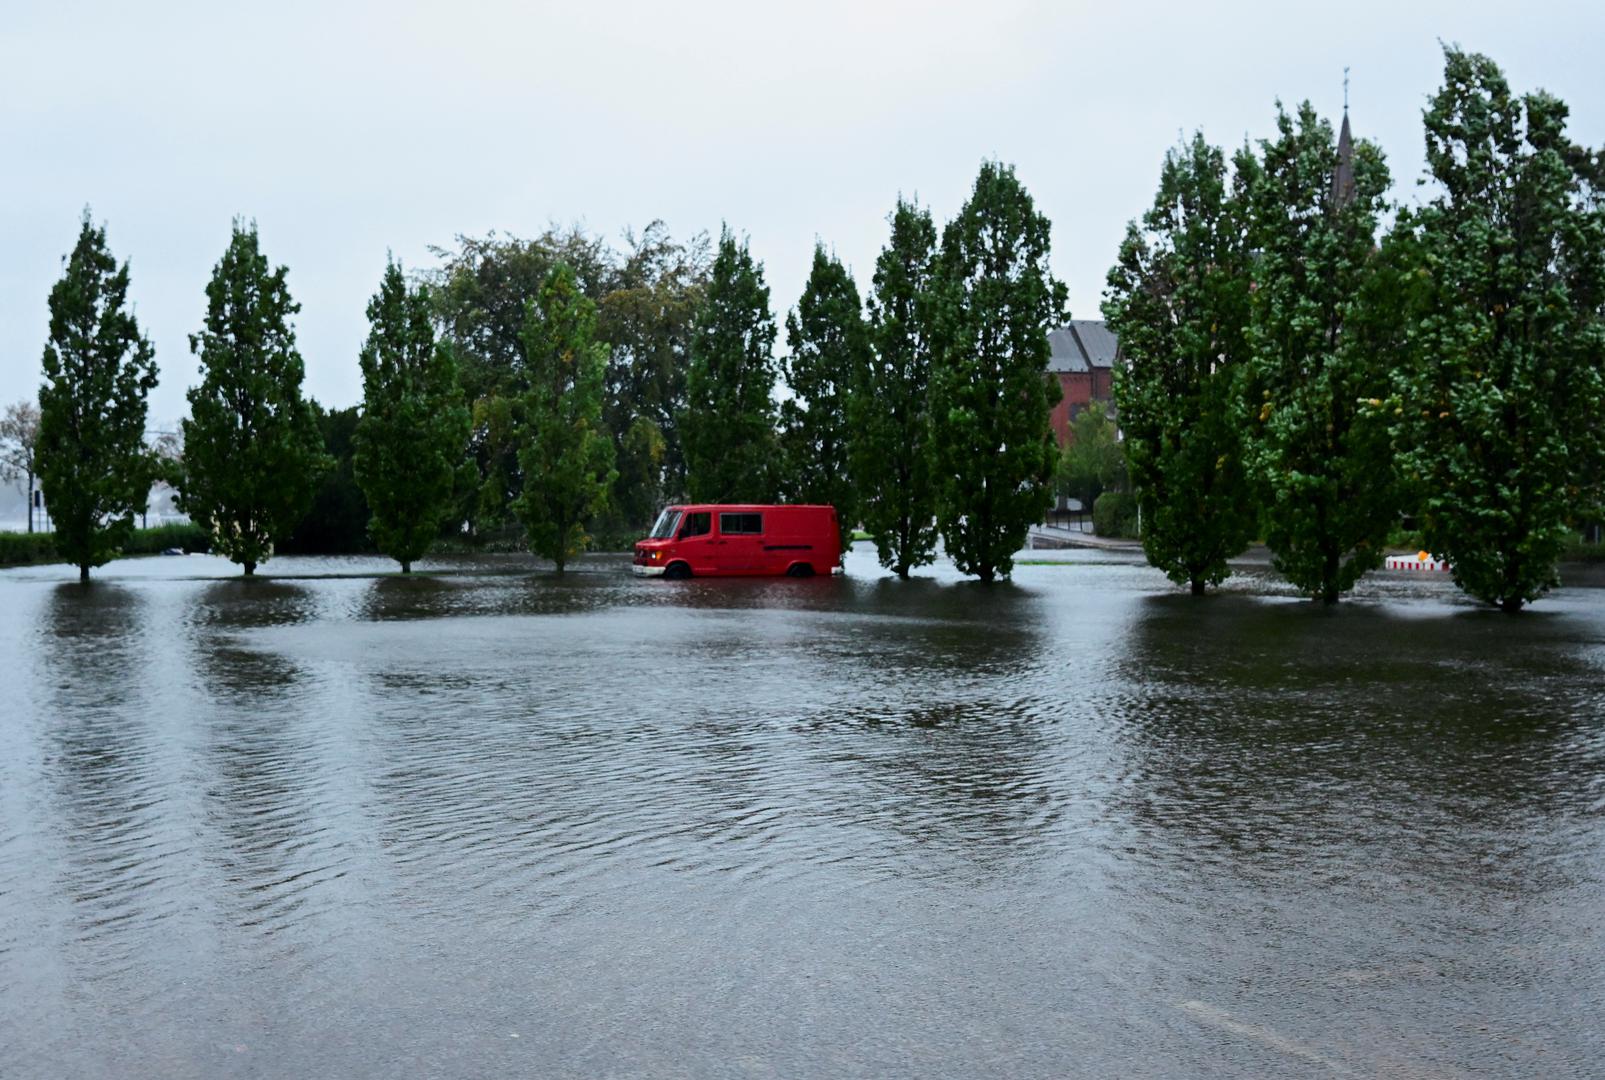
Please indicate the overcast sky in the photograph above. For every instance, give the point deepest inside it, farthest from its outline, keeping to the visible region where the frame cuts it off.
(347, 130)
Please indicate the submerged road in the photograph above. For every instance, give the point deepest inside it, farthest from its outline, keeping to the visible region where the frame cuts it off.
(486, 822)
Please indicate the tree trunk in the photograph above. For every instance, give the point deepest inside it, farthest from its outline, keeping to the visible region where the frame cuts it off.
(1329, 576)
(30, 502)
(1511, 602)
(83, 573)
(1198, 586)
(406, 566)
(250, 567)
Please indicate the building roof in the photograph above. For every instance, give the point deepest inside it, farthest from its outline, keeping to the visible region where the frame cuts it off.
(1066, 354)
(1081, 345)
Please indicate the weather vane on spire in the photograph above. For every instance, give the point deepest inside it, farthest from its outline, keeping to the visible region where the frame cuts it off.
(1345, 89)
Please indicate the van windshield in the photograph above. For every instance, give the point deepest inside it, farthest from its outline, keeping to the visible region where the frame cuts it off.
(665, 525)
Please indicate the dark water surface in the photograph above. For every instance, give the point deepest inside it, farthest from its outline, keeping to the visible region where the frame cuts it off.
(493, 824)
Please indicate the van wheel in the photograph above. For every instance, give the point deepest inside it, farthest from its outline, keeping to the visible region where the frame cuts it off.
(801, 569)
(677, 571)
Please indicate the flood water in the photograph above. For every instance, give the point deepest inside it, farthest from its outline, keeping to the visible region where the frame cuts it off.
(493, 823)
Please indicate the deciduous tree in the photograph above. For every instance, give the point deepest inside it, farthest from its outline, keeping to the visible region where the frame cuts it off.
(1093, 461)
(729, 423)
(252, 452)
(19, 439)
(481, 294)
(565, 455)
(889, 410)
(647, 318)
(990, 395)
(99, 368)
(1503, 415)
(1178, 298)
(414, 427)
(829, 345)
(336, 521)
(648, 294)
(1321, 460)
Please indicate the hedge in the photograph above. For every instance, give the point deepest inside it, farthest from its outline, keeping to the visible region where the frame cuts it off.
(21, 549)
(18, 549)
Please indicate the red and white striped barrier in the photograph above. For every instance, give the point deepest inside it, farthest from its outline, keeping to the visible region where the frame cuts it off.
(1422, 560)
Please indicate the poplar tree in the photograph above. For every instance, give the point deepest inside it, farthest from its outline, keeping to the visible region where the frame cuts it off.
(414, 427)
(1503, 415)
(564, 453)
(728, 429)
(252, 450)
(98, 371)
(889, 410)
(1319, 458)
(1178, 298)
(829, 345)
(990, 394)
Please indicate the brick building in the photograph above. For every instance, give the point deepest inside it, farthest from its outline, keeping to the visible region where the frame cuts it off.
(1083, 358)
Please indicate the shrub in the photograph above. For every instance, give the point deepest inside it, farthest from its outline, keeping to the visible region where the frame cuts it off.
(21, 549)
(1114, 514)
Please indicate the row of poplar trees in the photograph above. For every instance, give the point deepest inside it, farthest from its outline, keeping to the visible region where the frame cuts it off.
(1296, 372)
(251, 450)
(924, 417)
(553, 385)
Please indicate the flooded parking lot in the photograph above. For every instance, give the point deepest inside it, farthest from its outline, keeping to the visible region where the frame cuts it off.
(485, 822)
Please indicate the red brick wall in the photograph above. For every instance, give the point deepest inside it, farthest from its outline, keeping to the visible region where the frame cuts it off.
(1078, 388)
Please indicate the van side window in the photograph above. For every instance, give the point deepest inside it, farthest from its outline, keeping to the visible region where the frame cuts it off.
(741, 524)
(696, 525)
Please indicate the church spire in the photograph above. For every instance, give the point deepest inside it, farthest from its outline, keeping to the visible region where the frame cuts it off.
(1343, 174)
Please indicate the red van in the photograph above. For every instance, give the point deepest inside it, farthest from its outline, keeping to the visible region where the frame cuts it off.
(710, 540)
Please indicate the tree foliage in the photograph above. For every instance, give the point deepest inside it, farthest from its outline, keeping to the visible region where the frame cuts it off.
(481, 293)
(1178, 298)
(889, 410)
(252, 453)
(1321, 460)
(647, 295)
(414, 425)
(1093, 460)
(19, 441)
(990, 396)
(336, 521)
(641, 488)
(647, 317)
(565, 455)
(1503, 413)
(729, 424)
(98, 371)
(829, 346)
